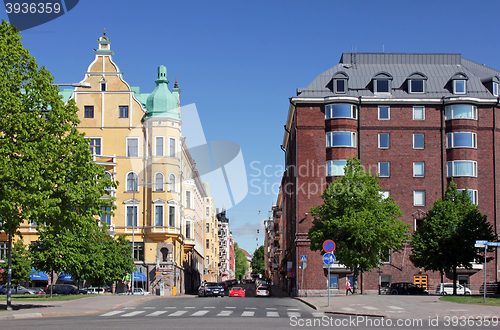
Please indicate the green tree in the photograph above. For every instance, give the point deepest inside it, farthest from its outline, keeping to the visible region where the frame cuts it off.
(363, 224)
(447, 236)
(240, 262)
(258, 261)
(46, 169)
(21, 264)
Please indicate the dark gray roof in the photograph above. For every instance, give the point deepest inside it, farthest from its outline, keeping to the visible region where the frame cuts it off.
(437, 69)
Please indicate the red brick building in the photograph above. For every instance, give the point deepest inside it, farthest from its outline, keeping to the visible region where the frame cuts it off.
(415, 119)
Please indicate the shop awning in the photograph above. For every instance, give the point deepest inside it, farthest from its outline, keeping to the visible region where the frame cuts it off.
(38, 276)
(63, 277)
(140, 277)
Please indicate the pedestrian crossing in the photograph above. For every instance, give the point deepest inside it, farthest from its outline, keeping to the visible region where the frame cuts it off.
(211, 312)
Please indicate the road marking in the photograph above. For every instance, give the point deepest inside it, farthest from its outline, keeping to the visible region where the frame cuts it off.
(170, 307)
(188, 307)
(272, 314)
(250, 307)
(370, 308)
(293, 309)
(292, 314)
(225, 313)
(318, 314)
(209, 307)
(230, 307)
(129, 308)
(200, 313)
(149, 307)
(178, 313)
(395, 307)
(248, 313)
(156, 313)
(132, 314)
(112, 313)
(271, 309)
(348, 309)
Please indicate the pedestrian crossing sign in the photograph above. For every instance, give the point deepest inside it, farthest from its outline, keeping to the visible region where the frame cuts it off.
(303, 258)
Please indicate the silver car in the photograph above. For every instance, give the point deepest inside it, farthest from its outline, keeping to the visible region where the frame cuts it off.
(16, 290)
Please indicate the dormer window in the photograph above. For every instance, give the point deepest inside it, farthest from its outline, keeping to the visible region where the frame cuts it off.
(416, 83)
(340, 85)
(103, 84)
(495, 88)
(382, 83)
(339, 81)
(458, 86)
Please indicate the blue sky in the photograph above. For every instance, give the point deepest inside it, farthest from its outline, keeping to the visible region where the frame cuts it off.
(240, 61)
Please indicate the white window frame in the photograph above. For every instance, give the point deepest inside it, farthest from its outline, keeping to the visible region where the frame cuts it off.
(418, 148)
(172, 187)
(411, 81)
(189, 225)
(329, 140)
(422, 192)
(495, 88)
(188, 198)
(175, 215)
(335, 86)
(103, 208)
(423, 170)
(388, 112)
(92, 148)
(162, 188)
(473, 196)
(329, 168)
(452, 163)
(136, 207)
(170, 139)
(388, 141)
(376, 82)
(128, 146)
(155, 205)
(136, 178)
(455, 86)
(329, 111)
(450, 140)
(452, 113)
(384, 176)
(384, 194)
(418, 107)
(162, 150)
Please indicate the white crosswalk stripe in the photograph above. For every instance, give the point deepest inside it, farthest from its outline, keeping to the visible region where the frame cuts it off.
(156, 313)
(248, 313)
(178, 313)
(170, 307)
(112, 313)
(132, 314)
(318, 314)
(225, 313)
(273, 314)
(395, 307)
(370, 308)
(200, 313)
(292, 314)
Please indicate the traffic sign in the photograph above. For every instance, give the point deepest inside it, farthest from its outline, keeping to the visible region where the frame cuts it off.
(493, 243)
(303, 258)
(303, 265)
(328, 258)
(329, 246)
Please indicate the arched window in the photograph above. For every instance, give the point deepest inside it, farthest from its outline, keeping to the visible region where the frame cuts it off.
(159, 182)
(171, 183)
(132, 182)
(108, 174)
(164, 254)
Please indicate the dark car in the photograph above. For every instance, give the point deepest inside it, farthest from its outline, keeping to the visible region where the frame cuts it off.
(211, 289)
(62, 289)
(406, 288)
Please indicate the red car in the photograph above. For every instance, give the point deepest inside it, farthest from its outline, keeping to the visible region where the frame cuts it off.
(236, 292)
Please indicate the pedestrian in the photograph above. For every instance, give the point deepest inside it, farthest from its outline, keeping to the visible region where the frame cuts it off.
(348, 288)
(126, 281)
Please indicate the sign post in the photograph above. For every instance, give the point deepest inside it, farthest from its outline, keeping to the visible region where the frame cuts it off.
(328, 259)
(303, 266)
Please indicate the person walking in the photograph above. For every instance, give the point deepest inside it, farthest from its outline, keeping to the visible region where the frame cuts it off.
(348, 288)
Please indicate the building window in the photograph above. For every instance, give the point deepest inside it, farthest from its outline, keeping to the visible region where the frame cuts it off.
(341, 139)
(461, 140)
(384, 169)
(383, 140)
(123, 111)
(384, 194)
(188, 229)
(459, 87)
(419, 198)
(95, 145)
(159, 215)
(419, 169)
(106, 217)
(159, 146)
(88, 111)
(103, 85)
(171, 183)
(159, 182)
(132, 182)
(460, 111)
(207, 244)
(172, 147)
(138, 251)
(335, 167)
(416, 86)
(418, 141)
(385, 281)
(208, 211)
(418, 113)
(340, 110)
(207, 227)
(188, 199)
(334, 281)
(495, 89)
(4, 250)
(171, 216)
(384, 113)
(419, 223)
(340, 85)
(132, 216)
(472, 195)
(462, 168)
(382, 86)
(386, 257)
(132, 147)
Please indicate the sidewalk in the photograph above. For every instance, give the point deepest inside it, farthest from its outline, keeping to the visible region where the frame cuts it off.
(88, 305)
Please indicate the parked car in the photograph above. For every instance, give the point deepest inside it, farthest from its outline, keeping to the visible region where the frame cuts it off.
(141, 291)
(16, 290)
(447, 288)
(211, 289)
(263, 291)
(62, 289)
(236, 291)
(492, 288)
(96, 290)
(406, 288)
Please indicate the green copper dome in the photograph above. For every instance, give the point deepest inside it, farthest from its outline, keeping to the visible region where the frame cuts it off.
(161, 102)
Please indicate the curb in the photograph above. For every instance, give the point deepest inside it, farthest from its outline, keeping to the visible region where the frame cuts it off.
(307, 303)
